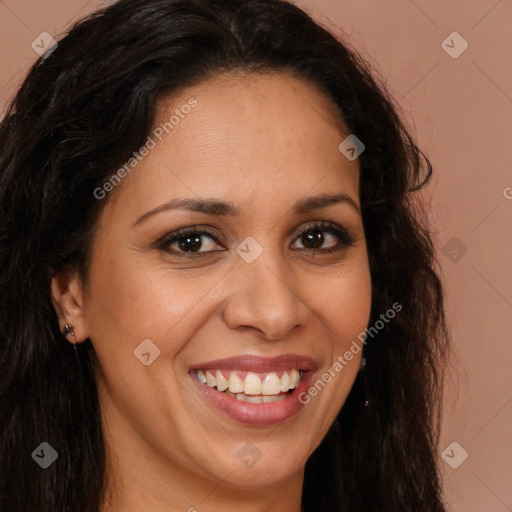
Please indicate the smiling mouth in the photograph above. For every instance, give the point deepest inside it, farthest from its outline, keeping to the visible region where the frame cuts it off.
(251, 387)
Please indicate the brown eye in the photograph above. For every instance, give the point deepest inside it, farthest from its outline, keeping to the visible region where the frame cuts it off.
(314, 237)
(189, 241)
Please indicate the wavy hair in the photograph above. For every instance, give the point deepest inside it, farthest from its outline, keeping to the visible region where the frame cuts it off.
(79, 115)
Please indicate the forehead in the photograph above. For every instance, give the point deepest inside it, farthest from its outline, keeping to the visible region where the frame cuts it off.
(246, 137)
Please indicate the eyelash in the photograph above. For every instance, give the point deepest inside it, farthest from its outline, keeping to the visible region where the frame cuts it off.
(344, 238)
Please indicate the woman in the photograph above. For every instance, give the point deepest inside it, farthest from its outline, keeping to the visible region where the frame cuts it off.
(219, 289)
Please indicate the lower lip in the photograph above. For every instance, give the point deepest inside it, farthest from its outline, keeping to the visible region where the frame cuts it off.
(256, 414)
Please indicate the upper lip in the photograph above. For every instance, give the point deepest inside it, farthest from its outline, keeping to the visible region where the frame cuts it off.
(257, 363)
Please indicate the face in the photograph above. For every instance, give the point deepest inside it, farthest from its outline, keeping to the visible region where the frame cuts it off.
(256, 295)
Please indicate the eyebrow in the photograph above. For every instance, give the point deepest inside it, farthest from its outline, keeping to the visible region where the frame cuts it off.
(217, 207)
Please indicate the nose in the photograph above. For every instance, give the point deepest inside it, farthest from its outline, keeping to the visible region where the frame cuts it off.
(263, 298)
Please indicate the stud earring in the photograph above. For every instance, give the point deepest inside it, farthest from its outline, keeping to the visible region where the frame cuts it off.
(68, 329)
(361, 369)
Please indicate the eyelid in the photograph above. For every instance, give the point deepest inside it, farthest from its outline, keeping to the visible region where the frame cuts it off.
(170, 238)
(344, 236)
(329, 227)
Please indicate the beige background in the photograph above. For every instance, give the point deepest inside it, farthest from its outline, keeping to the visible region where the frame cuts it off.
(460, 109)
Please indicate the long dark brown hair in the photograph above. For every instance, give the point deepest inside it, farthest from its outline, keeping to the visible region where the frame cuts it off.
(79, 115)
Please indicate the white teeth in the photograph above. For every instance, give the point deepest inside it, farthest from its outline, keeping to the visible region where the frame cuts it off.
(254, 399)
(210, 380)
(262, 399)
(273, 398)
(236, 384)
(222, 383)
(285, 382)
(294, 378)
(252, 384)
(271, 384)
(200, 376)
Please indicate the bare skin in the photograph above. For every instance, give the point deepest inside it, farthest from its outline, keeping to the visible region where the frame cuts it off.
(261, 142)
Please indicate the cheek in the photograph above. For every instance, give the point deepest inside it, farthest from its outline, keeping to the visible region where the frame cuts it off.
(130, 301)
(342, 310)
(343, 305)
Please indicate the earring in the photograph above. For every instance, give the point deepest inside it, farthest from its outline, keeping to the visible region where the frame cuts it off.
(68, 329)
(361, 369)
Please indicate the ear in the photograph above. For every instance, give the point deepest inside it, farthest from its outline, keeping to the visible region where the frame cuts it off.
(67, 298)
